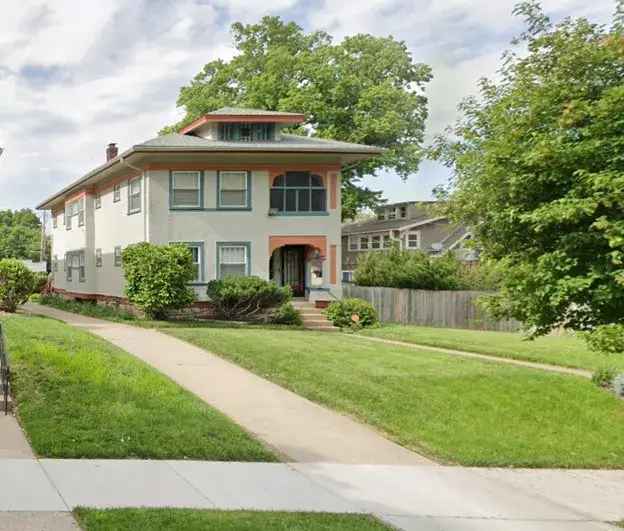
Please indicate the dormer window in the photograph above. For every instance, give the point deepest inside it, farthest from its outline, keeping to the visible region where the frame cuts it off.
(246, 132)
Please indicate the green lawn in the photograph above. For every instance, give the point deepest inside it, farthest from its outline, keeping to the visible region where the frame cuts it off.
(566, 350)
(203, 520)
(455, 409)
(79, 396)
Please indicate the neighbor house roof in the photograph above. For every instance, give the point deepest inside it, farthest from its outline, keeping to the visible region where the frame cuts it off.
(379, 225)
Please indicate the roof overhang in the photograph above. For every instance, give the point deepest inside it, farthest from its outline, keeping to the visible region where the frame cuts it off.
(245, 118)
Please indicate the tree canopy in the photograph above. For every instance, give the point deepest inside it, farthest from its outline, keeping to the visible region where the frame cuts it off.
(539, 173)
(20, 234)
(364, 89)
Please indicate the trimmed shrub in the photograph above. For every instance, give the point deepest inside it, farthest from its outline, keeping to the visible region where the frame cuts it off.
(16, 284)
(245, 298)
(157, 277)
(604, 376)
(286, 314)
(40, 282)
(352, 313)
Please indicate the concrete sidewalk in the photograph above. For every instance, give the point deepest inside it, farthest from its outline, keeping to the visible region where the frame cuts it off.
(295, 427)
(423, 498)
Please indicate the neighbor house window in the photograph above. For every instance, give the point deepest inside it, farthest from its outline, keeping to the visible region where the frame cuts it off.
(246, 132)
(55, 264)
(376, 242)
(82, 267)
(116, 193)
(68, 267)
(298, 191)
(392, 213)
(413, 239)
(134, 196)
(363, 243)
(387, 241)
(403, 211)
(347, 276)
(233, 260)
(98, 258)
(381, 215)
(54, 221)
(353, 244)
(233, 189)
(186, 189)
(117, 256)
(98, 200)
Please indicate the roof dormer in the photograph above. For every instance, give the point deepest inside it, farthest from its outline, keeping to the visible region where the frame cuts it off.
(231, 124)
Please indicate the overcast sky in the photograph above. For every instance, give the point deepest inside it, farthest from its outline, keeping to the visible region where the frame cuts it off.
(77, 75)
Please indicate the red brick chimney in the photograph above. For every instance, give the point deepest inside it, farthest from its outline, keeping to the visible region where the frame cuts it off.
(111, 151)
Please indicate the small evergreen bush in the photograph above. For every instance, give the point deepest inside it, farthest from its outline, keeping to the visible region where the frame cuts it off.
(352, 313)
(603, 376)
(286, 314)
(16, 284)
(245, 298)
(40, 282)
(157, 277)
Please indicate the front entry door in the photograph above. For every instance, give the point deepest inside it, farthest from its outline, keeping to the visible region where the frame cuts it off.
(293, 268)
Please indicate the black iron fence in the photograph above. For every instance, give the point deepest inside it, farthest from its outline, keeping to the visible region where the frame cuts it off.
(5, 371)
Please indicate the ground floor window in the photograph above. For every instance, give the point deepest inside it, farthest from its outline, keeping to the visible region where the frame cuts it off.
(75, 261)
(233, 259)
(117, 256)
(197, 252)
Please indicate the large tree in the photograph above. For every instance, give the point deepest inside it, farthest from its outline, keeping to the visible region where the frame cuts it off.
(20, 234)
(538, 163)
(365, 89)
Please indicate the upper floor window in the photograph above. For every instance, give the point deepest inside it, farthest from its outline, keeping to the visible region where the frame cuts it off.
(234, 189)
(186, 189)
(116, 193)
(54, 221)
(381, 215)
(75, 208)
(403, 212)
(391, 213)
(134, 195)
(98, 200)
(298, 191)
(246, 132)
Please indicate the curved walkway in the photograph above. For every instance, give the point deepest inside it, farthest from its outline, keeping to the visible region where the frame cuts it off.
(485, 357)
(298, 429)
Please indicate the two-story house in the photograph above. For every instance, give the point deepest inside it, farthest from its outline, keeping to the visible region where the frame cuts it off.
(412, 225)
(247, 199)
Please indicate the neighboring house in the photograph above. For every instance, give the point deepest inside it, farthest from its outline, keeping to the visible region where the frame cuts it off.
(410, 225)
(245, 197)
(35, 267)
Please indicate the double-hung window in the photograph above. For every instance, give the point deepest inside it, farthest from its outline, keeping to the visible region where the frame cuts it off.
(54, 221)
(55, 264)
(98, 200)
(233, 189)
(376, 242)
(75, 208)
(353, 244)
(233, 259)
(134, 195)
(363, 243)
(75, 260)
(116, 193)
(413, 239)
(117, 256)
(98, 258)
(298, 191)
(387, 241)
(186, 189)
(197, 252)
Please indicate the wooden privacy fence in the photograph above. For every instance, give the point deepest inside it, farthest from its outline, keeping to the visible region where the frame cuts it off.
(450, 309)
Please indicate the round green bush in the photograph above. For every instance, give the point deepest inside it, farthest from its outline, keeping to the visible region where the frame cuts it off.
(286, 314)
(16, 284)
(352, 313)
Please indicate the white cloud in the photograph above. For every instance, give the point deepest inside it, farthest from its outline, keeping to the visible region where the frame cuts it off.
(77, 75)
